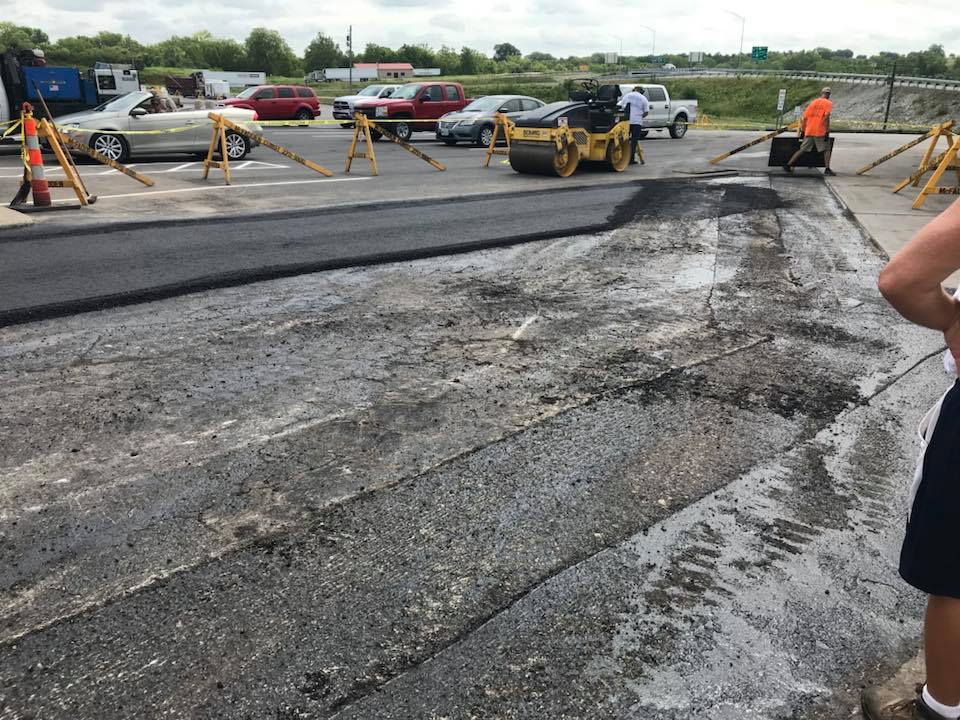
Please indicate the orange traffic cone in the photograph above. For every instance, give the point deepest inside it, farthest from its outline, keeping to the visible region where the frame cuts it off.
(38, 178)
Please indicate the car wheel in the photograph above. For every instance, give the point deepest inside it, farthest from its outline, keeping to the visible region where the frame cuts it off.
(303, 114)
(679, 127)
(112, 146)
(237, 146)
(403, 130)
(485, 136)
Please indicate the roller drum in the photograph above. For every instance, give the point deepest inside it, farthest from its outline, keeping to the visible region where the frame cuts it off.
(542, 158)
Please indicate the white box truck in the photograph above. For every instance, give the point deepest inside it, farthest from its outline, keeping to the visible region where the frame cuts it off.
(234, 79)
(359, 74)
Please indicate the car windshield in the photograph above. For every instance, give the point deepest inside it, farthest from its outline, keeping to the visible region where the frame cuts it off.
(407, 92)
(372, 90)
(121, 103)
(487, 104)
(247, 93)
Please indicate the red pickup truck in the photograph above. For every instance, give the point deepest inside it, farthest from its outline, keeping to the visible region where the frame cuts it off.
(418, 105)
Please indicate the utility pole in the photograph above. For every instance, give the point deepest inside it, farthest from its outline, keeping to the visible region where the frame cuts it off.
(893, 77)
(350, 53)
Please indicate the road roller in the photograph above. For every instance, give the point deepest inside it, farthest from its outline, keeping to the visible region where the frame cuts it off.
(556, 138)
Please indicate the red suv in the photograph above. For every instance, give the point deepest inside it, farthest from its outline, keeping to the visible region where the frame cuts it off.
(278, 102)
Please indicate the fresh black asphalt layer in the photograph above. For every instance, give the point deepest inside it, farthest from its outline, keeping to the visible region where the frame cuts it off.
(65, 272)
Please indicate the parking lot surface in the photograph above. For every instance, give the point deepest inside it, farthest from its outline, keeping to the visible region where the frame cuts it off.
(641, 472)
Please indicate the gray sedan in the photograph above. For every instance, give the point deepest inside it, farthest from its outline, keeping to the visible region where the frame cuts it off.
(475, 122)
(127, 116)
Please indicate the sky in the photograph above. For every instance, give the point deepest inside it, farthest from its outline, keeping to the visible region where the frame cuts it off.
(558, 28)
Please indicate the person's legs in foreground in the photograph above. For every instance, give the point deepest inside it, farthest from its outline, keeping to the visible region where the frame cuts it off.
(635, 131)
(940, 697)
(942, 648)
(911, 282)
(827, 153)
(806, 145)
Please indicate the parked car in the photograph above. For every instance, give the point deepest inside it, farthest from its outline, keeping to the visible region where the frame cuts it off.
(278, 102)
(343, 106)
(134, 112)
(476, 121)
(416, 107)
(665, 113)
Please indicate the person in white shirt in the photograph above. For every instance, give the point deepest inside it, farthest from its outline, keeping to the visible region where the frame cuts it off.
(639, 109)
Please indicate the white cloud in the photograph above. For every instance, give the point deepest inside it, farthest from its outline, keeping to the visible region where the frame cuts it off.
(865, 27)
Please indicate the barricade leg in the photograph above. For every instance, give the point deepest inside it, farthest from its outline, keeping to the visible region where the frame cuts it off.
(756, 141)
(73, 177)
(221, 124)
(218, 136)
(502, 122)
(361, 124)
(931, 187)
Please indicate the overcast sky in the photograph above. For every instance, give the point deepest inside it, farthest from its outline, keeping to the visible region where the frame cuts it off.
(560, 28)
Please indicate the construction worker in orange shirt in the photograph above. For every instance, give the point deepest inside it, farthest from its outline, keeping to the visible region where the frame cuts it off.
(815, 130)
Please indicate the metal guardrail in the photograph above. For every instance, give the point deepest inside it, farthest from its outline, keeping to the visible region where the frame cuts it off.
(857, 78)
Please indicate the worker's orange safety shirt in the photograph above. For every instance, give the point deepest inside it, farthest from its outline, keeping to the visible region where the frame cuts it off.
(815, 117)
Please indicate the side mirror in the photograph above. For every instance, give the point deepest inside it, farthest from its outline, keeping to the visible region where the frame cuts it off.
(503, 110)
(138, 112)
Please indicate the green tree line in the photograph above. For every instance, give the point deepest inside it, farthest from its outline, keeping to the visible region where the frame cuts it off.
(266, 50)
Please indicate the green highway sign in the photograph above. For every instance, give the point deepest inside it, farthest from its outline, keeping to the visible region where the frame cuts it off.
(759, 52)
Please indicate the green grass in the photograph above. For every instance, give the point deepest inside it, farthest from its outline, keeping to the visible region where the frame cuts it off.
(751, 100)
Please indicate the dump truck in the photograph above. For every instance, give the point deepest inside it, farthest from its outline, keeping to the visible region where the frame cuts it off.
(26, 77)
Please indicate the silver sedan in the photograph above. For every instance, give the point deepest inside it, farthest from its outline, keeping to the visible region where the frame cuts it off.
(129, 120)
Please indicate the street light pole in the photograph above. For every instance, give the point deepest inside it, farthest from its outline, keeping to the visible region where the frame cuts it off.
(743, 26)
(653, 49)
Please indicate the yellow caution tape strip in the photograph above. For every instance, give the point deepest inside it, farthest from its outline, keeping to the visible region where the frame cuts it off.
(836, 126)
(305, 123)
(167, 131)
(12, 129)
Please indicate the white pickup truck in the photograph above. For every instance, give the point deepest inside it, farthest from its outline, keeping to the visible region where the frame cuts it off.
(665, 112)
(343, 106)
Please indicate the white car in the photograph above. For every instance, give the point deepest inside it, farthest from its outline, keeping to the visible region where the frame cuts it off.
(134, 112)
(343, 106)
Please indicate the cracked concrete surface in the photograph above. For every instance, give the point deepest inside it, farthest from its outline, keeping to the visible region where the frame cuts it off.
(578, 478)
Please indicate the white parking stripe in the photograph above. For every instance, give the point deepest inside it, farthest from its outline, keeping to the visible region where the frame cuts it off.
(230, 187)
(155, 169)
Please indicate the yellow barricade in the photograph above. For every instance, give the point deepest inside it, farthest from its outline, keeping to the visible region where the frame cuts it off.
(219, 138)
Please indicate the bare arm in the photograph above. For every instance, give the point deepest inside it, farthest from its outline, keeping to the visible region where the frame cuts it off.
(826, 121)
(911, 281)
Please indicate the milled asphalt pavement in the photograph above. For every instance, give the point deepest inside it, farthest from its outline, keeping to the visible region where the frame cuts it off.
(657, 471)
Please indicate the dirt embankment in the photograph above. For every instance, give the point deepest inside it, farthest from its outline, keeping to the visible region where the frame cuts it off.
(909, 105)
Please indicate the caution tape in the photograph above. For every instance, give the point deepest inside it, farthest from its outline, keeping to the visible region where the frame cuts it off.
(164, 131)
(304, 123)
(14, 126)
(835, 126)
